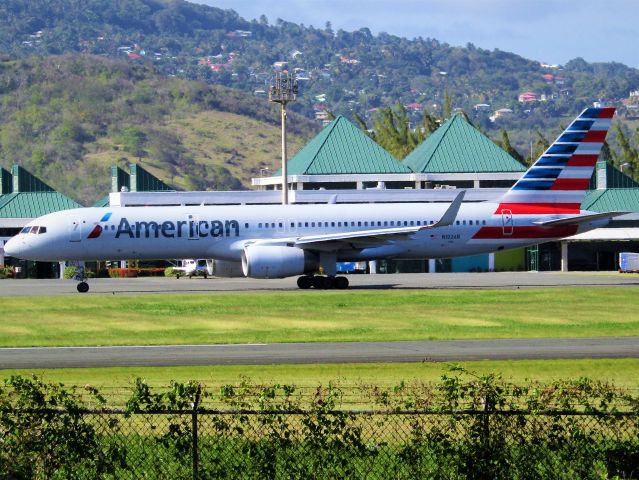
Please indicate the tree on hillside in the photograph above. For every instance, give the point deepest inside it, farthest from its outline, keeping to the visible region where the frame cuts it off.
(393, 132)
(504, 143)
(629, 157)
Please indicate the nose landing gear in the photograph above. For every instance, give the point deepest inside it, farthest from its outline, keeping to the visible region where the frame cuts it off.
(83, 286)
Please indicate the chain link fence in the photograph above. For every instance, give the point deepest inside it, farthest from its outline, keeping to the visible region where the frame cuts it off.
(314, 444)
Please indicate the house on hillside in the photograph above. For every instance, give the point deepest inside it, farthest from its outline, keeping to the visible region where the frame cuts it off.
(528, 97)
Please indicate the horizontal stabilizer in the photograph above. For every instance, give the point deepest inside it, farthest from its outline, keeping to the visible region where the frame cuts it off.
(579, 219)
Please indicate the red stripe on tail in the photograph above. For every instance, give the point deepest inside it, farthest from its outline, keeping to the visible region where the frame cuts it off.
(539, 208)
(570, 184)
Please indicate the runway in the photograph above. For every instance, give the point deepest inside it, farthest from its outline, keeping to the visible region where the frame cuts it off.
(311, 353)
(165, 286)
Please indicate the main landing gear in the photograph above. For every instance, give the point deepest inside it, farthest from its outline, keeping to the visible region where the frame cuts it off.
(322, 283)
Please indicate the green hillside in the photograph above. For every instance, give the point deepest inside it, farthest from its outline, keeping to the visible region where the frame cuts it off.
(68, 118)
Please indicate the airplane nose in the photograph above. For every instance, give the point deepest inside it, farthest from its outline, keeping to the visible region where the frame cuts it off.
(13, 248)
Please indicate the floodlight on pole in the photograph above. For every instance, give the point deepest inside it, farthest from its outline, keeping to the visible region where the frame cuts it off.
(283, 91)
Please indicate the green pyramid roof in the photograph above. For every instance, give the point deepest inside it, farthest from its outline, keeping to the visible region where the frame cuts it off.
(341, 148)
(33, 204)
(612, 200)
(458, 147)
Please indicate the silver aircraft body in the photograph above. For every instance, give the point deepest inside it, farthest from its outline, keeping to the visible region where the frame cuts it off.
(274, 241)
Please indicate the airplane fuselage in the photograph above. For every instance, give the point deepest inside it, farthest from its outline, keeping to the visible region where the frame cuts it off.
(222, 232)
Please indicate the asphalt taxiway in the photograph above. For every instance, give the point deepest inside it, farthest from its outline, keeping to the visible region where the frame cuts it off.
(311, 353)
(164, 286)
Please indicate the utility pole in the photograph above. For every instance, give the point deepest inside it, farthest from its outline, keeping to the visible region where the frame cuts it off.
(283, 91)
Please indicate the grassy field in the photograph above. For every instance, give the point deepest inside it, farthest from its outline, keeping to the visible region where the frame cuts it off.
(318, 316)
(352, 379)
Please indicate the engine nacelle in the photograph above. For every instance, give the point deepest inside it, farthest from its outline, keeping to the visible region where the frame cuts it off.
(224, 268)
(271, 261)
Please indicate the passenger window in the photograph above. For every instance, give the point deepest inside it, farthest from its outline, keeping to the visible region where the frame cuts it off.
(359, 224)
(306, 224)
(457, 222)
(412, 223)
(385, 223)
(392, 223)
(352, 224)
(259, 225)
(312, 224)
(273, 225)
(332, 224)
(246, 225)
(281, 224)
(405, 223)
(464, 222)
(470, 222)
(292, 224)
(366, 224)
(483, 222)
(379, 224)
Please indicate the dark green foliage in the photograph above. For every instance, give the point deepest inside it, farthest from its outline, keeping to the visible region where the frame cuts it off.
(466, 427)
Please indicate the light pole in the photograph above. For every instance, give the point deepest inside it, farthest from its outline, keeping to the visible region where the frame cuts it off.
(283, 91)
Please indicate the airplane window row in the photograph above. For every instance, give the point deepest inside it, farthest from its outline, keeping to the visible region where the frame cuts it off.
(378, 223)
(34, 229)
(470, 222)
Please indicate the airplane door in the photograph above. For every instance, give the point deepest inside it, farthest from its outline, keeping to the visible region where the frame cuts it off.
(75, 229)
(193, 226)
(507, 222)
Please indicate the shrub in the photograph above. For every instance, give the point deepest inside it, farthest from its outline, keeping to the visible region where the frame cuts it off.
(169, 272)
(6, 272)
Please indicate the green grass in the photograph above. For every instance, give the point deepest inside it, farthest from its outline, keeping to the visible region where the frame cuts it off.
(116, 383)
(318, 316)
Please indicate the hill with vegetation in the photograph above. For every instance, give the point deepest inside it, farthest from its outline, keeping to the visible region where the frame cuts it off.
(356, 74)
(340, 71)
(68, 118)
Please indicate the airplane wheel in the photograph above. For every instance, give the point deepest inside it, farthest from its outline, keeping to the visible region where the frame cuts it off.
(341, 283)
(205, 276)
(177, 276)
(83, 287)
(322, 283)
(305, 282)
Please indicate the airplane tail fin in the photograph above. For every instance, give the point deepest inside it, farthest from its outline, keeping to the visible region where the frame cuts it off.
(556, 183)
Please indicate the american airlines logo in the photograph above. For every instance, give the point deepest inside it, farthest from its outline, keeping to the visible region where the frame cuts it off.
(97, 230)
(191, 228)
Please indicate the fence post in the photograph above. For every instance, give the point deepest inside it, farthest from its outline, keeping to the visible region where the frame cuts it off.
(194, 444)
(486, 433)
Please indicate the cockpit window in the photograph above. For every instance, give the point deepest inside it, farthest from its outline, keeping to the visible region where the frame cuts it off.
(25, 229)
(42, 230)
(35, 229)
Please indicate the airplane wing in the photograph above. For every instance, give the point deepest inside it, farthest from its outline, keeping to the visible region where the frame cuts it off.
(579, 219)
(377, 237)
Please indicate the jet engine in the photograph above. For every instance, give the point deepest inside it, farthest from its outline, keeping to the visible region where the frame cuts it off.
(274, 261)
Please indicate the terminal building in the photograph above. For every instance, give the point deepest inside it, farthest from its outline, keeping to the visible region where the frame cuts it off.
(343, 165)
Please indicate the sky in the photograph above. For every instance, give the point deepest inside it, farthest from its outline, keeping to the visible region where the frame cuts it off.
(549, 31)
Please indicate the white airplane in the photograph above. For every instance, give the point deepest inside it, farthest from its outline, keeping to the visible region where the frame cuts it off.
(276, 241)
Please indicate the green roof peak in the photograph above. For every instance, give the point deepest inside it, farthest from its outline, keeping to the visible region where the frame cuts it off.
(458, 147)
(342, 148)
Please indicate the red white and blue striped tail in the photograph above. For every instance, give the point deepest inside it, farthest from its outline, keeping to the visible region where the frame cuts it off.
(557, 181)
